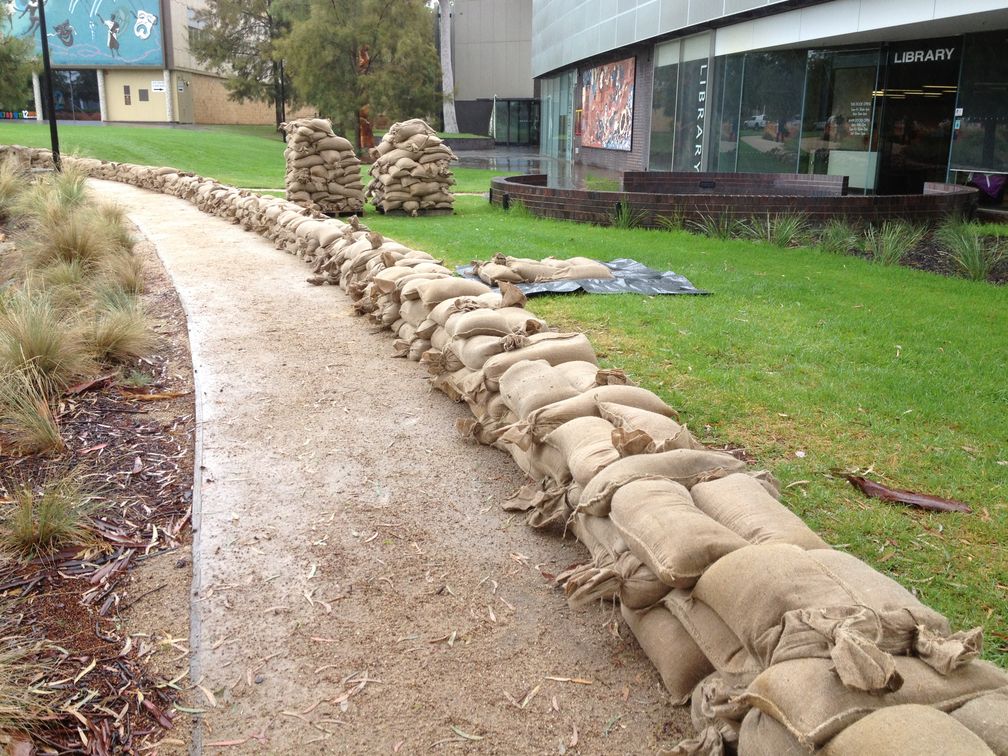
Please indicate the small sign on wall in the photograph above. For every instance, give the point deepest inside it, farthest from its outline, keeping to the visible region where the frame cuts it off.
(158, 86)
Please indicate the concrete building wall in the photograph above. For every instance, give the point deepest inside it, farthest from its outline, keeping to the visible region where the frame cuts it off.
(492, 48)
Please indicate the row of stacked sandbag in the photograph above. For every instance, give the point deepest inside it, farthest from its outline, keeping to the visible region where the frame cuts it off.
(410, 171)
(502, 268)
(323, 170)
(781, 643)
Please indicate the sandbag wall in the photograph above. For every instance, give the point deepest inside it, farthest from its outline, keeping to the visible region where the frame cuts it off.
(323, 171)
(410, 172)
(779, 643)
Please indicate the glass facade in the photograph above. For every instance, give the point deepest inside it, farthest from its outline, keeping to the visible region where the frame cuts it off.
(557, 108)
(839, 135)
(980, 129)
(725, 113)
(75, 95)
(516, 122)
(680, 109)
(770, 112)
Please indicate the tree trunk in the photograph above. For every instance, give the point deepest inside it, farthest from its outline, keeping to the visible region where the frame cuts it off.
(278, 94)
(447, 74)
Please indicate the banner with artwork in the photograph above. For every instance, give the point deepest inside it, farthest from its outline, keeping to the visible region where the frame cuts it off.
(607, 105)
(101, 33)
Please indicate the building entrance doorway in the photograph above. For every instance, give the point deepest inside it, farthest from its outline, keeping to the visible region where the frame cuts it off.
(918, 110)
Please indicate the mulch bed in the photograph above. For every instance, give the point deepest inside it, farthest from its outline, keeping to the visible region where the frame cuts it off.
(134, 449)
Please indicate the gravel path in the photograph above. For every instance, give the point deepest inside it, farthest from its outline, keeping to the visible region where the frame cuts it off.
(357, 588)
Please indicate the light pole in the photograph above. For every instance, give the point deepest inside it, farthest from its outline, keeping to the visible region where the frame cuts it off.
(50, 103)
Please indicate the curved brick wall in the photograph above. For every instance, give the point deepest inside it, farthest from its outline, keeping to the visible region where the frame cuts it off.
(742, 195)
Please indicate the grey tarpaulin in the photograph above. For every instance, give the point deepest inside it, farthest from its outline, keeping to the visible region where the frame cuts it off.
(631, 277)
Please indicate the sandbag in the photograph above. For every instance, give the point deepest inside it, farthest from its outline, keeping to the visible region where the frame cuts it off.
(640, 431)
(680, 663)
(742, 504)
(435, 292)
(586, 445)
(762, 735)
(552, 347)
(987, 716)
(798, 606)
(543, 421)
(662, 527)
(809, 699)
(907, 730)
(484, 321)
(685, 466)
(530, 384)
(718, 642)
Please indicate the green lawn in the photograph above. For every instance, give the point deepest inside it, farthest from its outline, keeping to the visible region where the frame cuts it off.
(246, 156)
(811, 362)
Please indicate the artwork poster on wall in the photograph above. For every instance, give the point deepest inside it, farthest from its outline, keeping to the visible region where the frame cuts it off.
(607, 104)
(100, 33)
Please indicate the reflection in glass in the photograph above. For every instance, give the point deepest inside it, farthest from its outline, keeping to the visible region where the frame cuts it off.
(771, 111)
(663, 106)
(728, 75)
(838, 137)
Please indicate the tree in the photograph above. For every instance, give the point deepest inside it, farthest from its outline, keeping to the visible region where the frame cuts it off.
(447, 68)
(17, 59)
(239, 38)
(350, 54)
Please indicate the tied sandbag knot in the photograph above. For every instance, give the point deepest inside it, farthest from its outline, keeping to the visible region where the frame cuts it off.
(514, 340)
(708, 742)
(944, 654)
(543, 505)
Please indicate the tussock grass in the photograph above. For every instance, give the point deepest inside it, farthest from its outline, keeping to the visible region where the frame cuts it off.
(716, 225)
(13, 182)
(779, 229)
(974, 255)
(123, 271)
(120, 330)
(888, 243)
(838, 237)
(24, 702)
(42, 519)
(28, 421)
(35, 335)
(117, 225)
(624, 215)
(82, 236)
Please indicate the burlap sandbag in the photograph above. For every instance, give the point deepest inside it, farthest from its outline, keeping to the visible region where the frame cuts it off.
(987, 717)
(435, 292)
(409, 286)
(640, 431)
(528, 385)
(452, 383)
(623, 576)
(544, 504)
(586, 445)
(414, 312)
(807, 697)
(685, 466)
(475, 351)
(719, 644)
(579, 374)
(483, 321)
(546, 419)
(662, 527)
(742, 504)
(910, 729)
(680, 663)
(599, 536)
(552, 347)
(492, 273)
(800, 606)
(762, 735)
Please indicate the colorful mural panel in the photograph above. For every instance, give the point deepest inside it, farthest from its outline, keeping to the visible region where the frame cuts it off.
(607, 105)
(101, 33)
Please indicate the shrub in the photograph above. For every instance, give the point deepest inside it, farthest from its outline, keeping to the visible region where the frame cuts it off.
(973, 255)
(888, 243)
(674, 221)
(35, 335)
(27, 420)
(838, 237)
(46, 518)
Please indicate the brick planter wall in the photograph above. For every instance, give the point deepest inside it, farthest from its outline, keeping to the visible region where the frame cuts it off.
(937, 202)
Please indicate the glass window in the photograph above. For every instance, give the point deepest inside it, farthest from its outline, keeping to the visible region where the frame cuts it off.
(839, 130)
(143, 95)
(126, 94)
(692, 106)
(728, 73)
(980, 134)
(663, 106)
(771, 111)
(75, 95)
(557, 113)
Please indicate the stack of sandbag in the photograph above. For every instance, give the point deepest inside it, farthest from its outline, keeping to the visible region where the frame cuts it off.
(781, 644)
(410, 172)
(323, 171)
(525, 270)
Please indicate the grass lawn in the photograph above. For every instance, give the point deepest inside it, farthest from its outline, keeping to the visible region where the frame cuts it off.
(811, 362)
(246, 156)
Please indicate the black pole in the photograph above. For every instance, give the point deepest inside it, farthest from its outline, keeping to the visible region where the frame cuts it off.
(50, 103)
